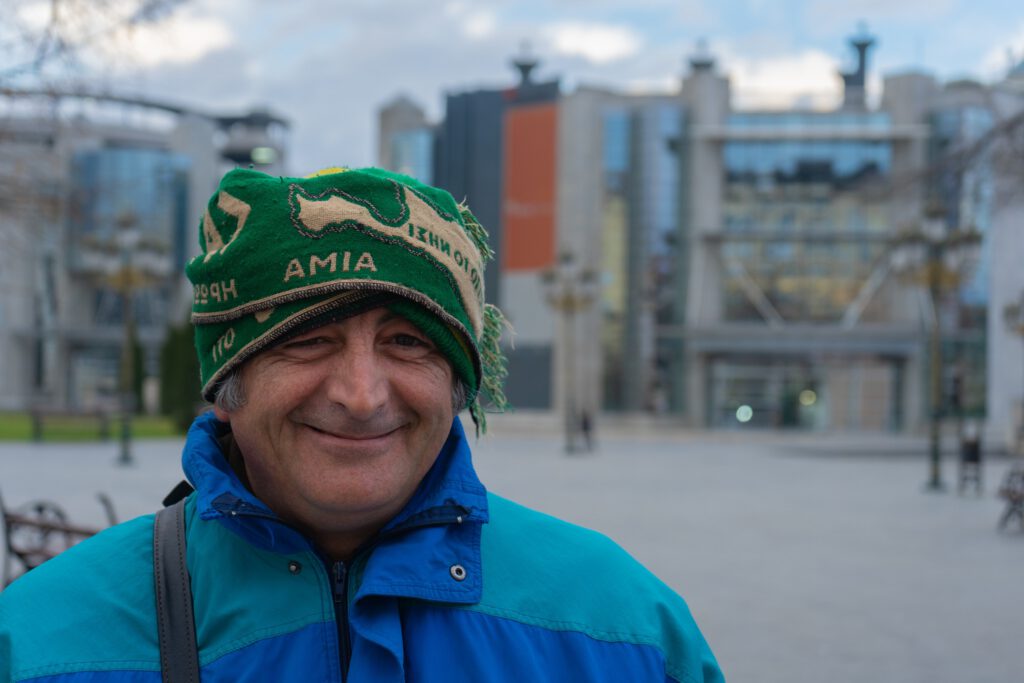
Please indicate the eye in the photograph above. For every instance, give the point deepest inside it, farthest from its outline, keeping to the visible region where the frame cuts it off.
(305, 343)
(409, 341)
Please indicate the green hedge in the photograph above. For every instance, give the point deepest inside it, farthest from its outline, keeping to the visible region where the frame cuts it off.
(179, 377)
(18, 427)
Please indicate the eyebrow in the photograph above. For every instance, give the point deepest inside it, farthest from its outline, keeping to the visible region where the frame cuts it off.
(387, 317)
(391, 316)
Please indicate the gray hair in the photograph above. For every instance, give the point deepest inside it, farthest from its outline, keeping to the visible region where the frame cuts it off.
(230, 393)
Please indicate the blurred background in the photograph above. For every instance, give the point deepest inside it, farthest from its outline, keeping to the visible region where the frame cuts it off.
(740, 215)
(763, 258)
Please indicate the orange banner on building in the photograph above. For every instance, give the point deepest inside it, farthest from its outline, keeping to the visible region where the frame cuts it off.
(529, 192)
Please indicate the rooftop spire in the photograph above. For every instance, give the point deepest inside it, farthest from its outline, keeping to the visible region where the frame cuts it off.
(701, 59)
(854, 81)
(525, 63)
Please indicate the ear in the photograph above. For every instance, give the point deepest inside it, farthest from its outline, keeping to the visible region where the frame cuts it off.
(221, 414)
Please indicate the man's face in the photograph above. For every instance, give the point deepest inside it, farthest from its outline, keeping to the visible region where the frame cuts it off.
(341, 424)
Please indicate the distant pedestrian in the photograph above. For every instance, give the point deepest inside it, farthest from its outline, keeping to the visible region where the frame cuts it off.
(970, 458)
(587, 429)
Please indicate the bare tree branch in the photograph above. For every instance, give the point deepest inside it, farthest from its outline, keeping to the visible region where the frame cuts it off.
(72, 28)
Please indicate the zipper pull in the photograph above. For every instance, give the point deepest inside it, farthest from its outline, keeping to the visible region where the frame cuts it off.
(340, 572)
(340, 589)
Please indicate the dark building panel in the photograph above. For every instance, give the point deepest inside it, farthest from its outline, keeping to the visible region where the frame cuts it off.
(529, 377)
(633, 372)
(468, 163)
(469, 155)
(533, 93)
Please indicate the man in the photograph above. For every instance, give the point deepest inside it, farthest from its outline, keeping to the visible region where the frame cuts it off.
(337, 531)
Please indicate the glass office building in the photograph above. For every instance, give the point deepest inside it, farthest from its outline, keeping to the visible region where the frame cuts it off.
(745, 258)
(799, 218)
(615, 252)
(114, 189)
(87, 164)
(794, 317)
(412, 153)
(640, 266)
(966, 196)
(804, 225)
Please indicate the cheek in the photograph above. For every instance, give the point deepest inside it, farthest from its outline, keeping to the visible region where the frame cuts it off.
(430, 387)
(274, 395)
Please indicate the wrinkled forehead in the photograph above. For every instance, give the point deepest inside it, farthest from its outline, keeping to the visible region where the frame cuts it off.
(373, 319)
(377, 304)
(380, 310)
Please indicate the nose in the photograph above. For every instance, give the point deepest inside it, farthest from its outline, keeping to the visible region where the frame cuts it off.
(357, 381)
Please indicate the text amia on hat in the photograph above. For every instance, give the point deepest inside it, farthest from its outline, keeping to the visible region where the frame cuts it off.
(279, 253)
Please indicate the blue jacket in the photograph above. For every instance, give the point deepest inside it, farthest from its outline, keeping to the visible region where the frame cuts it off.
(535, 599)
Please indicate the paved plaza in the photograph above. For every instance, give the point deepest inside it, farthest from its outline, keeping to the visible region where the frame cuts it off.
(804, 559)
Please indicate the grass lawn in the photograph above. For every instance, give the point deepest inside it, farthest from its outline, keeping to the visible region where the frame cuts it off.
(18, 427)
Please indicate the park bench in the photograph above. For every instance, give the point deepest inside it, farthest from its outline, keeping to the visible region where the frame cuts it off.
(38, 531)
(1012, 491)
(39, 414)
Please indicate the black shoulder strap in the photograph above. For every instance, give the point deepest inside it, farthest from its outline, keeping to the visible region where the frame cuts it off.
(179, 655)
(179, 492)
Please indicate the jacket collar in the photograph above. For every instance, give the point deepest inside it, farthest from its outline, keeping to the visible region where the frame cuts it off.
(219, 491)
(417, 553)
(441, 520)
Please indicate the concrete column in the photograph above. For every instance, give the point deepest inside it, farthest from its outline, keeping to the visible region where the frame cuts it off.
(706, 98)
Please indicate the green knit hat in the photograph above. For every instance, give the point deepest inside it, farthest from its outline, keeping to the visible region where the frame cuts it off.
(282, 254)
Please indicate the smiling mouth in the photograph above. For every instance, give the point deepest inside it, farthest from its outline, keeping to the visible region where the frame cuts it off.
(354, 437)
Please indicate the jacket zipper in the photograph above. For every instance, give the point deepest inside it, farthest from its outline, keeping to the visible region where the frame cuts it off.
(340, 572)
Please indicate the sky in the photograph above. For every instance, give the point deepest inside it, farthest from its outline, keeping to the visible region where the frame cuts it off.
(328, 66)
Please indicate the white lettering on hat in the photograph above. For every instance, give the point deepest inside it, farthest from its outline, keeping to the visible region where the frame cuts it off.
(422, 226)
(294, 268)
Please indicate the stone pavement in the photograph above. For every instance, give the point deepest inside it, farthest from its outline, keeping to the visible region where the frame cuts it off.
(802, 560)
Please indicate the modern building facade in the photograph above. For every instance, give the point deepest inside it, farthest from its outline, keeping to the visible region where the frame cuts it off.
(406, 139)
(1004, 342)
(805, 318)
(496, 149)
(101, 199)
(744, 262)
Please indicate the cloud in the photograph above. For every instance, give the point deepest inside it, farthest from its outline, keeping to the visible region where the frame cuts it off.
(328, 66)
(331, 92)
(473, 22)
(180, 38)
(109, 33)
(34, 15)
(1004, 53)
(808, 79)
(597, 43)
(480, 25)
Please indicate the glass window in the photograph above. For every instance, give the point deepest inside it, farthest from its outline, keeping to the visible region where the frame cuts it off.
(109, 184)
(776, 193)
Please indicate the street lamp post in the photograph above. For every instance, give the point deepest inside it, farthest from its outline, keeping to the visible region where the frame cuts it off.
(127, 239)
(936, 254)
(935, 483)
(568, 293)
